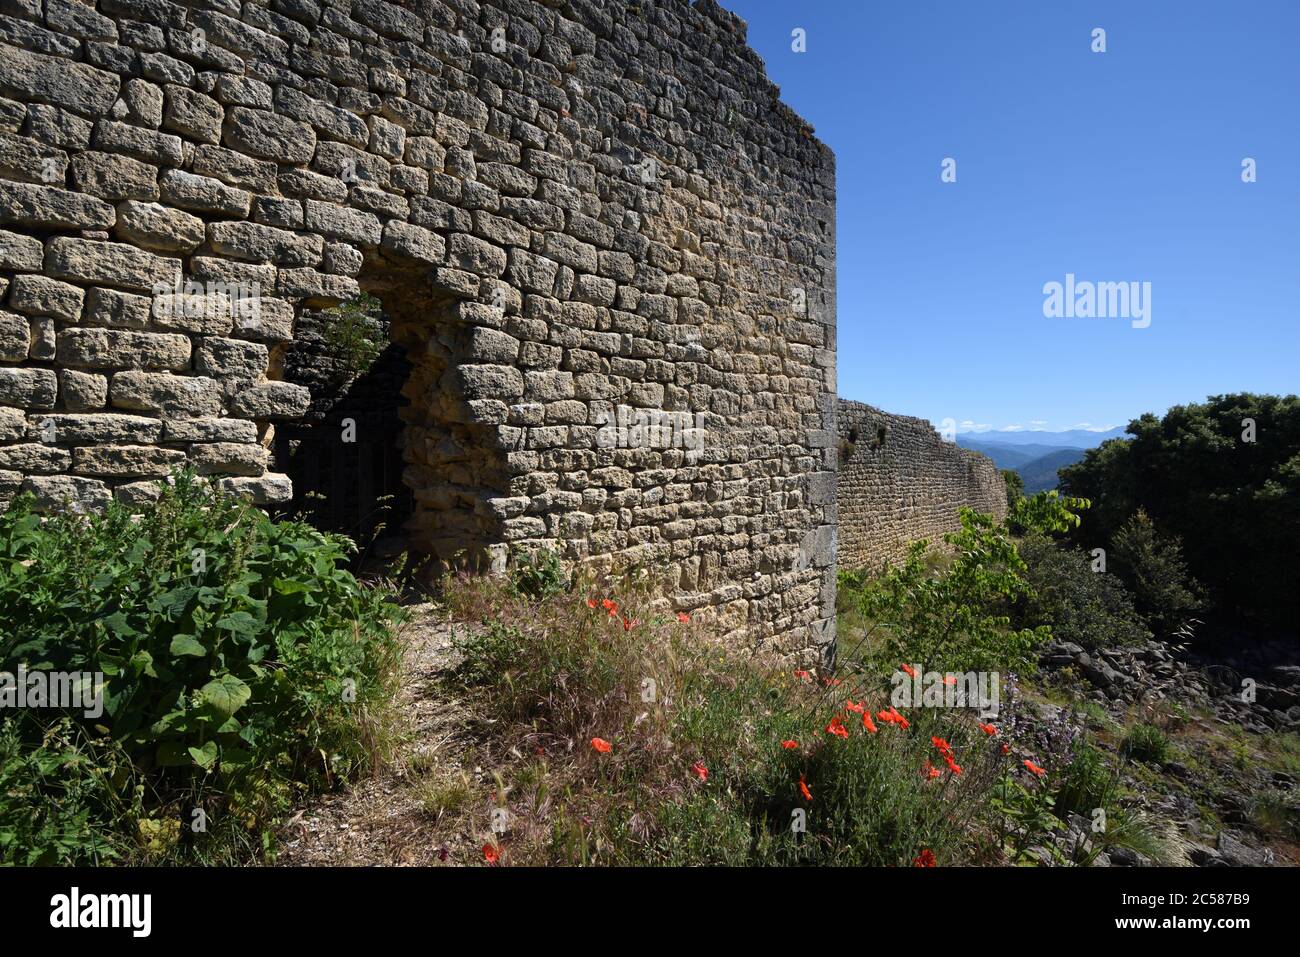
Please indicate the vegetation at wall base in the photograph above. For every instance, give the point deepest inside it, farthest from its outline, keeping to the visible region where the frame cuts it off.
(243, 666)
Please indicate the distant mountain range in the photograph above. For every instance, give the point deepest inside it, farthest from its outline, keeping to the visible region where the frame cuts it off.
(1036, 455)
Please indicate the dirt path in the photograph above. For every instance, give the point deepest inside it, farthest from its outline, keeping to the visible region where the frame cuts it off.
(391, 818)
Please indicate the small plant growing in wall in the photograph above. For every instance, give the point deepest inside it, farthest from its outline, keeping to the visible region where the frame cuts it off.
(354, 335)
(538, 575)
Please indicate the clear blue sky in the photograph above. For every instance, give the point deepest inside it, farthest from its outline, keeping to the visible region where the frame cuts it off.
(1115, 166)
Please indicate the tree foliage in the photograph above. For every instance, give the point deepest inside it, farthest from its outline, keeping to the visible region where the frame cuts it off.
(1223, 476)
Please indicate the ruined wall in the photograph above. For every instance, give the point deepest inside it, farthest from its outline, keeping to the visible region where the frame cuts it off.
(564, 206)
(899, 482)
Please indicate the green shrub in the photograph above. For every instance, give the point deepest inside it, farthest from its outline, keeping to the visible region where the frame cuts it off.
(1145, 742)
(957, 619)
(1087, 783)
(1089, 608)
(242, 663)
(1154, 569)
(538, 575)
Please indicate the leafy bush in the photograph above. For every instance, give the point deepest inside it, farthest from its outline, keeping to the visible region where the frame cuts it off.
(1089, 608)
(1233, 502)
(539, 574)
(241, 661)
(1145, 742)
(1015, 486)
(1153, 567)
(957, 620)
(353, 334)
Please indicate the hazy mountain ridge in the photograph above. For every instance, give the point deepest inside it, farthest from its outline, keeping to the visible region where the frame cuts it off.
(1036, 455)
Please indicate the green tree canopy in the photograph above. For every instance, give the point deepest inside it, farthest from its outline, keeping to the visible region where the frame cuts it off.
(1223, 476)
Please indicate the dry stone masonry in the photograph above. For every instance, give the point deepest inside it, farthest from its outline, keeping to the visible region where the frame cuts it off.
(578, 216)
(899, 482)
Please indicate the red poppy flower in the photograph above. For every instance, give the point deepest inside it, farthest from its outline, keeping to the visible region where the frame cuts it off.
(930, 771)
(490, 854)
(802, 675)
(683, 617)
(609, 605)
(988, 729)
(855, 706)
(591, 603)
(868, 723)
(953, 766)
(1035, 768)
(836, 727)
(924, 859)
(601, 745)
(943, 746)
(789, 745)
(909, 671)
(803, 789)
(831, 682)
(1006, 749)
(950, 680)
(893, 717)
(700, 770)
(628, 623)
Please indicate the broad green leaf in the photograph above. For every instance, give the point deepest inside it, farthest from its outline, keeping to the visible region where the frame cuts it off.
(225, 695)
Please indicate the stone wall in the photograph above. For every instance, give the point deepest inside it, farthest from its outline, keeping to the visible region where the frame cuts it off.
(899, 482)
(581, 217)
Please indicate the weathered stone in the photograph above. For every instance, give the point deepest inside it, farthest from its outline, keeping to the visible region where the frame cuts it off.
(269, 136)
(141, 104)
(263, 490)
(169, 395)
(232, 359)
(156, 227)
(20, 253)
(47, 79)
(109, 264)
(113, 177)
(229, 458)
(192, 114)
(49, 124)
(119, 349)
(101, 428)
(27, 388)
(413, 242)
(149, 146)
(265, 244)
(126, 461)
(56, 492)
(15, 337)
(82, 391)
(35, 458)
(271, 400)
(108, 307)
(45, 207)
(13, 424)
(23, 158)
(234, 169)
(40, 296)
(339, 222)
(139, 493)
(209, 430)
(203, 194)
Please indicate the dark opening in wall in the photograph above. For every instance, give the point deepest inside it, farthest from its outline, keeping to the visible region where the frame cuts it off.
(881, 434)
(345, 455)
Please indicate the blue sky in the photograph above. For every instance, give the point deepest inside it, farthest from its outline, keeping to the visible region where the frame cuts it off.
(1123, 166)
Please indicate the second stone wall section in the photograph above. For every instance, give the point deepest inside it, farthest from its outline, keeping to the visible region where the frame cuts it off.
(899, 482)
